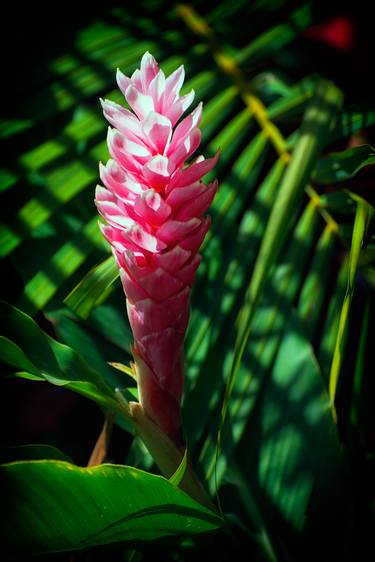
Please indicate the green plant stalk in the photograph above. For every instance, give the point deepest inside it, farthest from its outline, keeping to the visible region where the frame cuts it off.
(328, 339)
(314, 131)
(288, 281)
(355, 411)
(171, 460)
(362, 216)
(314, 289)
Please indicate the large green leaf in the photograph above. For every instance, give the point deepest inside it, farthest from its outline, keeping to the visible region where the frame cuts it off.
(31, 452)
(317, 120)
(53, 506)
(290, 451)
(363, 216)
(26, 347)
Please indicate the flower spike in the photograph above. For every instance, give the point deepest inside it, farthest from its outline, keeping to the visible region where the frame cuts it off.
(153, 204)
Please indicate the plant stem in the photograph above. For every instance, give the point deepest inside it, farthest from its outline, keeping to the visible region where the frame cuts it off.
(168, 456)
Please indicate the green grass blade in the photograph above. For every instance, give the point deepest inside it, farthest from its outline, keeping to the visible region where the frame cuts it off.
(363, 214)
(314, 289)
(312, 138)
(93, 289)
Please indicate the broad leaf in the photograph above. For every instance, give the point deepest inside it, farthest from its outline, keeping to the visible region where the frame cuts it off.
(54, 506)
(26, 347)
(32, 452)
(341, 166)
(292, 459)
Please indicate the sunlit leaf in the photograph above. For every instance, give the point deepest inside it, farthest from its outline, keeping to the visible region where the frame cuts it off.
(54, 506)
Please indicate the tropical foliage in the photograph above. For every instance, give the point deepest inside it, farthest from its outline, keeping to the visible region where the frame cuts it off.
(277, 408)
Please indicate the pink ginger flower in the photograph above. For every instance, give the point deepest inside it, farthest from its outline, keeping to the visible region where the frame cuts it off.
(154, 209)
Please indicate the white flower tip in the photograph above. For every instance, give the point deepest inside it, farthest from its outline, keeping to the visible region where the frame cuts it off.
(100, 190)
(102, 170)
(148, 59)
(112, 134)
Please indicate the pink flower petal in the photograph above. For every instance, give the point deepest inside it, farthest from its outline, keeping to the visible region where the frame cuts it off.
(123, 120)
(184, 128)
(156, 348)
(116, 150)
(136, 80)
(180, 195)
(132, 290)
(161, 405)
(142, 239)
(173, 231)
(198, 205)
(156, 172)
(140, 103)
(193, 172)
(172, 259)
(173, 86)
(152, 208)
(136, 269)
(195, 239)
(185, 149)
(112, 211)
(157, 129)
(124, 187)
(187, 273)
(149, 69)
(122, 81)
(156, 91)
(178, 108)
(114, 237)
(160, 285)
(147, 316)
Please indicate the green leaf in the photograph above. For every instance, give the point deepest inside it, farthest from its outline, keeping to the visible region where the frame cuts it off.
(364, 212)
(93, 289)
(338, 202)
(32, 452)
(314, 290)
(95, 348)
(28, 348)
(358, 399)
(277, 36)
(178, 475)
(314, 129)
(266, 334)
(54, 506)
(10, 353)
(293, 457)
(341, 166)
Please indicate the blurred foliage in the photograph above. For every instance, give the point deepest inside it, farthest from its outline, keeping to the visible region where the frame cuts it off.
(282, 309)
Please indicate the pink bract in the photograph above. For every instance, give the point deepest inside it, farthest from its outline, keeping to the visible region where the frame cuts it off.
(154, 205)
